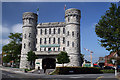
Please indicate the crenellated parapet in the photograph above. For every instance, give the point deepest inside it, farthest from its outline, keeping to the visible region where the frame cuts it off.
(72, 12)
(51, 24)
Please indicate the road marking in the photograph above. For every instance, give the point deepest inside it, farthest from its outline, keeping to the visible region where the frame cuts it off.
(75, 77)
(99, 77)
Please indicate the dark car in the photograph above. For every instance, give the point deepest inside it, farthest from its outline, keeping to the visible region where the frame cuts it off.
(109, 67)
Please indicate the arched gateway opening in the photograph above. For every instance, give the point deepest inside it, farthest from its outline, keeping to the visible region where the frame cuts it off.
(49, 62)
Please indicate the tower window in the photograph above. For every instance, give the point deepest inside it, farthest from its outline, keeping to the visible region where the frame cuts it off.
(24, 45)
(25, 36)
(40, 40)
(67, 43)
(68, 19)
(58, 40)
(63, 48)
(50, 31)
(45, 31)
(73, 34)
(49, 40)
(58, 30)
(63, 30)
(41, 31)
(29, 34)
(54, 31)
(45, 41)
(72, 44)
(29, 44)
(53, 40)
(77, 34)
(68, 33)
(63, 40)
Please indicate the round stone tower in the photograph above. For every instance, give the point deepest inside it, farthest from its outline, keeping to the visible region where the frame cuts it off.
(72, 20)
(29, 37)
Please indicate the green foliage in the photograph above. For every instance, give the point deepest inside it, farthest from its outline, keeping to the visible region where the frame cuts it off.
(31, 57)
(77, 70)
(13, 48)
(63, 58)
(108, 71)
(7, 58)
(108, 29)
(82, 58)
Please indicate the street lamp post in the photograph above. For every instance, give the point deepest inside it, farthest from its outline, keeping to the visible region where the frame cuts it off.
(114, 62)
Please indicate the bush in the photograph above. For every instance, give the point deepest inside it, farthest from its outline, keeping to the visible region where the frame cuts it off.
(108, 71)
(77, 70)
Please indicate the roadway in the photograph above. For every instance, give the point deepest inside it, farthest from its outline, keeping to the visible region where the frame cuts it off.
(9, 75)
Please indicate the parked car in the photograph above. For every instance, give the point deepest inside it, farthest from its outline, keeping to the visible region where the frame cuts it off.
(109, 67)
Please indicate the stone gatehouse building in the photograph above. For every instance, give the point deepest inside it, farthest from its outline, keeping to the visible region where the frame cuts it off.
(48, 39)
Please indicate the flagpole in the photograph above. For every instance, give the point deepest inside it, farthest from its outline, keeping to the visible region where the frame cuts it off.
(38, 14)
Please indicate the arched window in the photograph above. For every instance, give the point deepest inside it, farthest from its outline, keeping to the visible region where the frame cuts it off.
(68, 33)
(24, 45)
(73, 34)
(40, 40)
(58, 40)
(58, 30)
(45, 41)
(50, 31)
(29, 44)
(72, 44)
(54, 31)
(63, 48)
(77, 34)
(67, 43)
(44, 49)
(54, 49)
(63, 40)
(63, 30)
(58, 49)
(53, 40)
(49, 40)
(29, 34)
(25, 36)
(41, 31)
(68, 18)
(45, 31)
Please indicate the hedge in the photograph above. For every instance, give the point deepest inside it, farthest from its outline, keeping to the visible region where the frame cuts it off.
(77, 70)
(108, 71)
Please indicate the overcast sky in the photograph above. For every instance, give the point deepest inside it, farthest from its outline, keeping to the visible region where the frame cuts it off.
(54, 12)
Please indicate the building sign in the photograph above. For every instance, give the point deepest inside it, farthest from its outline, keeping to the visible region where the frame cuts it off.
(50, 45)
(37, 63)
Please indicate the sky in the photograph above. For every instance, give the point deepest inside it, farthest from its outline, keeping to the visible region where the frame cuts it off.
(91, 12)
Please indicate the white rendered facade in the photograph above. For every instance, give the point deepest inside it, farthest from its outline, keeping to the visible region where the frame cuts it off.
(48, 39)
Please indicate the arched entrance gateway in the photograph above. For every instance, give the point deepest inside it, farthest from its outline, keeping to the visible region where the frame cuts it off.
(49, 62)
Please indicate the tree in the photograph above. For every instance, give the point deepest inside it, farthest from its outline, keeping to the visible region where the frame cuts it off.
(13, 48)
(108, 29)
(31, 58)
(81, 58)
(63, 58)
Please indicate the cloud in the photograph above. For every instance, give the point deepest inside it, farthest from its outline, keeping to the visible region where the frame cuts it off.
(4, 41)
(17, 28)
(4, 29)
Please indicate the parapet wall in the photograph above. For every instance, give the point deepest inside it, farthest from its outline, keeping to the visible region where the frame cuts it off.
(51, 24)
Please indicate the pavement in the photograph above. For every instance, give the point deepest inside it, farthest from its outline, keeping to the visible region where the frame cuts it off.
(8, 73)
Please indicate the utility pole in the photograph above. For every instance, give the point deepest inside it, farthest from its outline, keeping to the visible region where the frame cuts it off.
(90, 55)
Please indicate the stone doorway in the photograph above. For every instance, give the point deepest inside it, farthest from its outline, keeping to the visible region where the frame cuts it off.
(49, 62)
